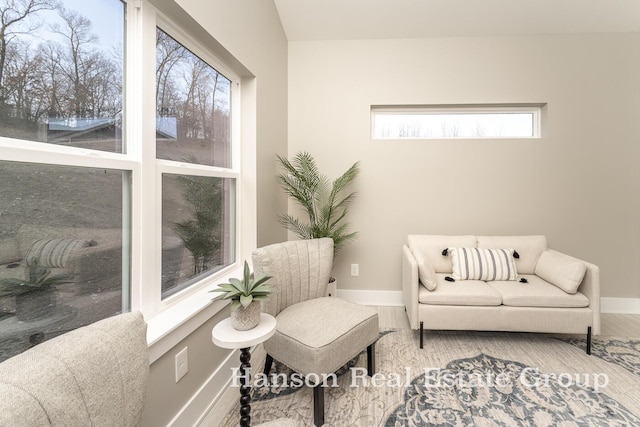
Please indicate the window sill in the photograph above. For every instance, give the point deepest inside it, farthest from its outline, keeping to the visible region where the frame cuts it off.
(170, 326)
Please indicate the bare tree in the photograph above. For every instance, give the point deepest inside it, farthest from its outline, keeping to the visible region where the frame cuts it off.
(54, 85)
(169, 53)
(78, 37)
(14, 20)
(103, 86)
(23, 72)
(450, 129)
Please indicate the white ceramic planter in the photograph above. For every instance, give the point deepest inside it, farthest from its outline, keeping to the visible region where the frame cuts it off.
(243, 319)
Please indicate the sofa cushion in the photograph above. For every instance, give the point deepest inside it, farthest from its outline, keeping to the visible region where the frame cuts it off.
(562, 270)
(529, 249)
(463, 292)
(426, 273)
(483, 264)
(9, 251)
(432, 246)
(537, 293)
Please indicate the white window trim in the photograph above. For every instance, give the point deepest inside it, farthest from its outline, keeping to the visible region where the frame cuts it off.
(170, 321)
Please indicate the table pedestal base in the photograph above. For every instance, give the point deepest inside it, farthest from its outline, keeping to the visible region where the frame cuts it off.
(224, 335)
(245, 387)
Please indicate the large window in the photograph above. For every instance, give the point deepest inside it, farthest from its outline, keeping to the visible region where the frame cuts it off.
(61, 246)
(193, 102)
(193, 132)
(96, 219)
(197, 228)
(456, 121)
(61, 73)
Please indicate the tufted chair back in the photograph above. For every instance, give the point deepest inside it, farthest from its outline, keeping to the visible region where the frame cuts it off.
(300, 271)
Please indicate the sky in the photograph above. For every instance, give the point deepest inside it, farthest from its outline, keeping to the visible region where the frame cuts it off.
(106, 16)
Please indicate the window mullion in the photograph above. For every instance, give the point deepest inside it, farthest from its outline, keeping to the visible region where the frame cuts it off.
(141, 121)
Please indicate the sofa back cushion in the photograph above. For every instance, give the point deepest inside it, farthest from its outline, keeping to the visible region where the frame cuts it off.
(95, 375)
(426, 273)
(431, 247)
(529, 249)
(561, 270)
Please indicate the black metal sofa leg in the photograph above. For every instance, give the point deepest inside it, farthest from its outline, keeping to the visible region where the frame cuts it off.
(589, 340)
(267, 365)
(421, 333)
(318, 404)
(371, 359)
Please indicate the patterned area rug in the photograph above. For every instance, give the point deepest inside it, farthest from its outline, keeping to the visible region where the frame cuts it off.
(467, 379)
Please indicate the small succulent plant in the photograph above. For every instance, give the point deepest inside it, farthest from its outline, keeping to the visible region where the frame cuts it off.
(246, 290)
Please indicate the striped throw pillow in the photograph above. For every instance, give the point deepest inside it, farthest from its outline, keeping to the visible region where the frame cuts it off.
(52, 253)
(483, 264)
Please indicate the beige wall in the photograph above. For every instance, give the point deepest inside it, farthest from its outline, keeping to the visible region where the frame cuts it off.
(165, 397)
(253, 36)
(579, 185)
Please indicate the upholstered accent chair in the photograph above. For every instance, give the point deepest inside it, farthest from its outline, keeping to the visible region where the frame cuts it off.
(315, 334)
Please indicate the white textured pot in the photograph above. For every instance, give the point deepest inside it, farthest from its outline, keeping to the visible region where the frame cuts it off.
(243, 319)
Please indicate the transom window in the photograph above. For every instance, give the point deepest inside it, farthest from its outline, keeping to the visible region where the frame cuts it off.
(465, 121)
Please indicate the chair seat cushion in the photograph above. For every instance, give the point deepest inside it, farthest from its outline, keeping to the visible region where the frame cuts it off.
(320, 335)
(460, 292)
(537, 293)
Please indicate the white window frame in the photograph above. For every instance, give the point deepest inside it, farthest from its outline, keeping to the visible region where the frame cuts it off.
(170, 320)
(163, 166)
(458, 109)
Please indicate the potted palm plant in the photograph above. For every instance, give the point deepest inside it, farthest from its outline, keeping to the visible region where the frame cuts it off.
(323, 200)
(245, 295)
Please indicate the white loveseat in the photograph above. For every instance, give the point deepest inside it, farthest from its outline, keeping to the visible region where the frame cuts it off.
(551, 293)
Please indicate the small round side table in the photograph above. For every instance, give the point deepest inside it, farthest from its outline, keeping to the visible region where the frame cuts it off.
(223, 335)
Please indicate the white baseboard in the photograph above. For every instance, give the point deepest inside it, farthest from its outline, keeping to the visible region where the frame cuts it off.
(201, 410)
(392, 298)
(196, 409)
(620, 305)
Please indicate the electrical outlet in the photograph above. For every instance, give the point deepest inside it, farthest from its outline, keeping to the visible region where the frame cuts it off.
(355, 270)
(182, 364)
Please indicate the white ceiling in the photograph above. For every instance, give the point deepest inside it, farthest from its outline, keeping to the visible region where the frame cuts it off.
(382, 19)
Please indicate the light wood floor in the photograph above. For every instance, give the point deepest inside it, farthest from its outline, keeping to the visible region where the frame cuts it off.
(619, 325)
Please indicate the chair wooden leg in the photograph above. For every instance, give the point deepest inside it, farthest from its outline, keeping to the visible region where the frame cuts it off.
(318, 404)
(421, 332)
(267, 364)
(589, 340)
(371, 359)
